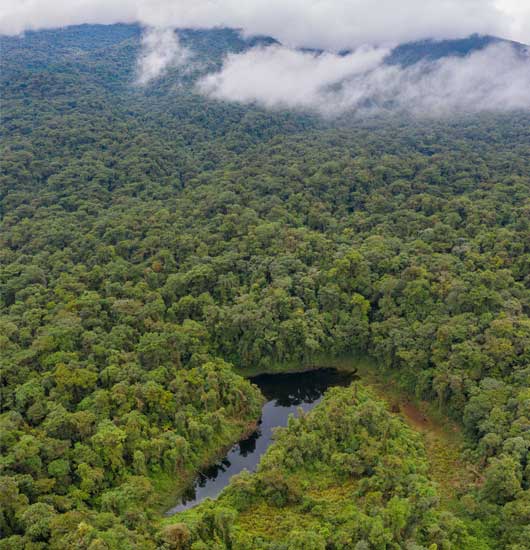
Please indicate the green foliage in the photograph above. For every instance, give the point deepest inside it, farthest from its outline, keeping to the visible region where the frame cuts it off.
(150, 238)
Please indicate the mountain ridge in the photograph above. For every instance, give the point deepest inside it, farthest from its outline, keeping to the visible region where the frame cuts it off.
(91, 38)
(410, 53)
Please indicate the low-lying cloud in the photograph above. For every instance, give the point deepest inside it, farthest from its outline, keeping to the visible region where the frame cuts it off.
(277, 76)
(494, 79)
(160, 50)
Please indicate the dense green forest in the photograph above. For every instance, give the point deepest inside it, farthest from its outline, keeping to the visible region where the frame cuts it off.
(155, 245)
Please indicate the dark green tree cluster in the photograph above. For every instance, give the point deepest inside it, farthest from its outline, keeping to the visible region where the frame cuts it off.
(81, 447)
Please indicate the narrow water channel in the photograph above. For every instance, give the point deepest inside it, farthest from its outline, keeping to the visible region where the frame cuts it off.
(284, 394)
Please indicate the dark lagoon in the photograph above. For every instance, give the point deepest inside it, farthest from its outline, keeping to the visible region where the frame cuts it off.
(285, 394)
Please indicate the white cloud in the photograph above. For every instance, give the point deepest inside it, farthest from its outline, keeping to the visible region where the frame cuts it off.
(329, 24)
(160, 50)
(495, 79)
(517, 13)
(17, 16)
(277, 76)
(335, 24)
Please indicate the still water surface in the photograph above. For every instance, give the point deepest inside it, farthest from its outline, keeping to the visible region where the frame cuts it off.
(284, 394)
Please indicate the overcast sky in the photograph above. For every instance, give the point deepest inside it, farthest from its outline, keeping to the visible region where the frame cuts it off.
(332, 24)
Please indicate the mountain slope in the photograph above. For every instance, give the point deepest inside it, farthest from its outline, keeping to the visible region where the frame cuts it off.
(432, 50)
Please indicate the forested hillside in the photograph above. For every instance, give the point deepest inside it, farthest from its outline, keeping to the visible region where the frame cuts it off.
(154, 244)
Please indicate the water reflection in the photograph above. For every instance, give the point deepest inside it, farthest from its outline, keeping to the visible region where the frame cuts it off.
(285, 394)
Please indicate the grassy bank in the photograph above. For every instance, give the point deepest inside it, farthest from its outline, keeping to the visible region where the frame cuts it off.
(443, 437)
